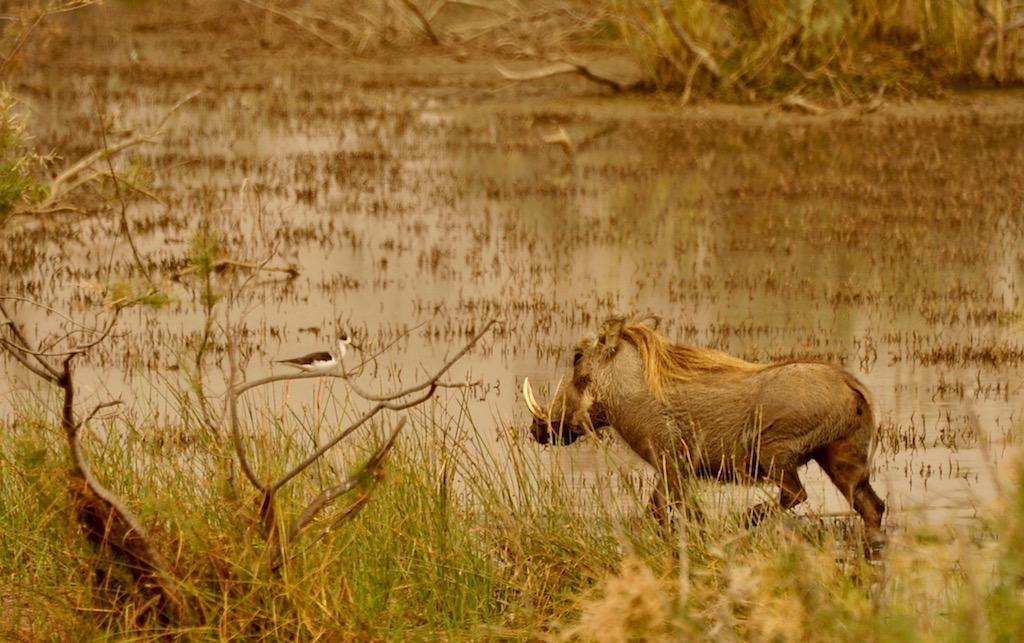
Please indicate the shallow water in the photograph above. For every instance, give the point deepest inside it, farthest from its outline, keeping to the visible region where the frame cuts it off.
(418, 193)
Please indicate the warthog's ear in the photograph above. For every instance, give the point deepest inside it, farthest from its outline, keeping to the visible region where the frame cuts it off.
(650, 319)
(611, 333)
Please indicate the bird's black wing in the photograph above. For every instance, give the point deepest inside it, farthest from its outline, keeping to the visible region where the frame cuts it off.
(320, 356)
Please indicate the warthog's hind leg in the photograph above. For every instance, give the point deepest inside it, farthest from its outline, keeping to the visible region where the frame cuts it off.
(846, 464)
(791, 494)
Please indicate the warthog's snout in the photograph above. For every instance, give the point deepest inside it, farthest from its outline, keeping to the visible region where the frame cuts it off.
(545, 429)
(557, 433)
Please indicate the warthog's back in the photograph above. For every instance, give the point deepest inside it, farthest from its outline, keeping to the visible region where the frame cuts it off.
(780, 414)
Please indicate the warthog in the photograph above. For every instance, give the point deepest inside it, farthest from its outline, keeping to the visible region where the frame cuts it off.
(691, 411)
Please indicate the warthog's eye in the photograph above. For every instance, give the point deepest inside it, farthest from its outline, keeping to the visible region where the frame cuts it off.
(576, 358)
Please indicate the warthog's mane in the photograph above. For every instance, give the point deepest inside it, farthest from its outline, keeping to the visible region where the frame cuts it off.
(665, 362)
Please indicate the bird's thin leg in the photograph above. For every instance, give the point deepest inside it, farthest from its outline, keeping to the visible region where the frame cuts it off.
(284, 404)
(316, 397)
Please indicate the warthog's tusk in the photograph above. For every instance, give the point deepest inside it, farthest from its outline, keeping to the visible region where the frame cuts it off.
(531, 401)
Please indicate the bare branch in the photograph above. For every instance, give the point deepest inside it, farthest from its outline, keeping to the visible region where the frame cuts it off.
(74, 350)
(134, 541)
(432, 381)
(103, 335)
(23, 356)
(97, 409)
(684, 39)
(407, 404)
(270, 379)
(232, 402)
(15, 352)
(472, 384)
(48, 309)
(370, 470)
(57, 190)
(106, 519)
(222, 264)
(560, 67)
(430, 385)
(313, 31)
(313, 457)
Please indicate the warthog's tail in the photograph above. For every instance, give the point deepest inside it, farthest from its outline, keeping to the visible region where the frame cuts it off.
(847, 461)
(865, 413)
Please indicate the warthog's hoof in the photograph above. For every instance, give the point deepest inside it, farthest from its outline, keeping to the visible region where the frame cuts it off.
(874, 545)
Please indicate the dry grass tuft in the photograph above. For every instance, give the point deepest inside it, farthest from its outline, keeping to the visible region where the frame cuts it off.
(842, 51)
(631, 604)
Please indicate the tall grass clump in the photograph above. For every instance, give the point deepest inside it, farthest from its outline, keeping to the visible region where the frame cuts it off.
(843, 49)
(462, 542)
(442, 549)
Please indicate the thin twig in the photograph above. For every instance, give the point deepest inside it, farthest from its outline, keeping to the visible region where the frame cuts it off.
(48, 309)
(433, 380)
(43, 369)
(298, 23)
(56, 189)
(125, 228)
(370, 469)
(76, 349)
(232, 403)
(560, 67)
(430, 384)
(15, 352)
(97, 409)
(385, 348)
(705, 58)
(291, 270)
(387, 397)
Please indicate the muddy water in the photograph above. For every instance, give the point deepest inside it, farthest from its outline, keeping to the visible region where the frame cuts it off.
(418, 193)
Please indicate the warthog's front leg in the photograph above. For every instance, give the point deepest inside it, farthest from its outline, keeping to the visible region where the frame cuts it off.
(674, 492)
(791, 494)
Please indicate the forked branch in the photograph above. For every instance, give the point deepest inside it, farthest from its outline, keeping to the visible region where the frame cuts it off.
(82, 172)
(370, 472)
(396, 401)
(106, 519)
(392, 402)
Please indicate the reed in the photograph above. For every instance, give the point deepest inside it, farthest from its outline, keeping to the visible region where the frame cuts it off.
(839, 50)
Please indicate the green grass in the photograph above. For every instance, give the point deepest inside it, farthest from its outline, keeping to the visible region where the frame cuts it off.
(460, 545)
(18, 162)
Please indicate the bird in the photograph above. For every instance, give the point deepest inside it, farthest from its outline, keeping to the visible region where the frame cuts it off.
(321, 361)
